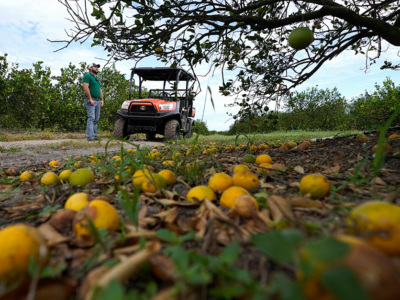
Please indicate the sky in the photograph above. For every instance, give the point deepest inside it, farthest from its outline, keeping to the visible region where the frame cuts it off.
(26, 27)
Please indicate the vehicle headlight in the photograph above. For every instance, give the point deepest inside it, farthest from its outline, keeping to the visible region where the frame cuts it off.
(166, 106)
(125, 105)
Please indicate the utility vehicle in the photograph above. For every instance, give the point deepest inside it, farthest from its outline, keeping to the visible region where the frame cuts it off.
(160, 108)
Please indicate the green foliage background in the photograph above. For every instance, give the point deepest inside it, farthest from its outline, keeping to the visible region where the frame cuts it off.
(36, 99)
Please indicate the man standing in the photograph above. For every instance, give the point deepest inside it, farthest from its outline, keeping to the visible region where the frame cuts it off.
(94, 100)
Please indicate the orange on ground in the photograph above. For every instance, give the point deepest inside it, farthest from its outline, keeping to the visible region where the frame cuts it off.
(245, 205)
(153, 183)
(378, 222)
(18, 243)
(240, 168)
(139, 176)
(169, 176)
(263, 168)
(101, 213)
(76, 201)
(200, 193)
(220, 182)
(54, 163)
(26, 176)
(316, 185)
(375, 272)
(81, 177)
(247, 180)
(50, 178)
(229, 196)
(65, 175)
(263, 158)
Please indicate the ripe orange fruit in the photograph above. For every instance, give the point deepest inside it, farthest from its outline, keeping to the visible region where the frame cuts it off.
(139, 176)
(263, 168)
(200, 193)
(220, 182)
(378, 222)
(76, 201)
(361, 138)
(169, 176)
(263, 158)
(50, 178)
(54, 163)
(247, 180)
(300, 38)
(316, 185)
(153, 183)
(229, 196)
(65, 175)
(374, 271)
(394, 136)
(26, 176)
(240, 168)
(18, 244)
(101, 213)
(386, 148)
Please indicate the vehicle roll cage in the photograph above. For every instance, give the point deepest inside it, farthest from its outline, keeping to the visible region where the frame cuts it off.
(165, 74)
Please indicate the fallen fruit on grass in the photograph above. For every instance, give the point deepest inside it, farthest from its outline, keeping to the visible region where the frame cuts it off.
(245, 205)
(54, 163)
(65, 175)
(153, 183)
(378, 222)
(220, 182)
(361, 138)
(316, 185)
(394, 136)
(12, 171)
(18, 244)
(300, 38)
(229, 196)
(249, 158)
(200, 193)
(263, 158)
(374, 271)
(77, 201)
(50, 178)
(81, 177)
(26, 176)
(247, 180)
(79, 164)
(240, 168)
(169, 176)
(263, 168)
(139, 177)
(102, 214)
(385, 148)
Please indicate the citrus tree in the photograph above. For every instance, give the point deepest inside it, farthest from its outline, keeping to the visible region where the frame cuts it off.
(247, 37)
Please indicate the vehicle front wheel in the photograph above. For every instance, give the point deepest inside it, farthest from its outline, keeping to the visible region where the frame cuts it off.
(120, 131)
(172, 130)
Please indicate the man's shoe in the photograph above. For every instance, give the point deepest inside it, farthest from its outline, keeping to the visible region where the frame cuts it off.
(90, 140)
(96, 138)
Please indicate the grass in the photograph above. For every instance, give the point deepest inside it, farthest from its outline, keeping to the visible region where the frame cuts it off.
(282, 136)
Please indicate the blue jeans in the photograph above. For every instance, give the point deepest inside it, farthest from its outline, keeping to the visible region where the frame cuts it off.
(93, 112)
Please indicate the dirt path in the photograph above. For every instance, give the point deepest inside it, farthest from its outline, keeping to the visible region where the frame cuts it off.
(38, 152)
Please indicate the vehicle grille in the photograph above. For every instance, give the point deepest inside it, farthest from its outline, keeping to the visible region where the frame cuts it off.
(142, 109)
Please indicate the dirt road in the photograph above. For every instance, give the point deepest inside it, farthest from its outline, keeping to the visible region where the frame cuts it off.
(38, 152)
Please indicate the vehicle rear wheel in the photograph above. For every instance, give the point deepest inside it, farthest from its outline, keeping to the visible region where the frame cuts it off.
(172, 130)
(150, 136)
(120, 129)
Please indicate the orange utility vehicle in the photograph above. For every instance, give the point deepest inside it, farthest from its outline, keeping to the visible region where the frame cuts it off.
(161, 108)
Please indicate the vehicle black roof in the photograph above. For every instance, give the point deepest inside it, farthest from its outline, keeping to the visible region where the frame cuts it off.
(163, 73)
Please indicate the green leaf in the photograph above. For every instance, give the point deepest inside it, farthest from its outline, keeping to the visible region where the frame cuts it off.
(168, 236)
(344, 284)
(230, 253)
(327, 249)
(113, 291)
(286, 288)
(278, 245)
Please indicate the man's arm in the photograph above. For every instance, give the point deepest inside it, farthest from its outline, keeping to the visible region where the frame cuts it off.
(87, 92)
(102, 98)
